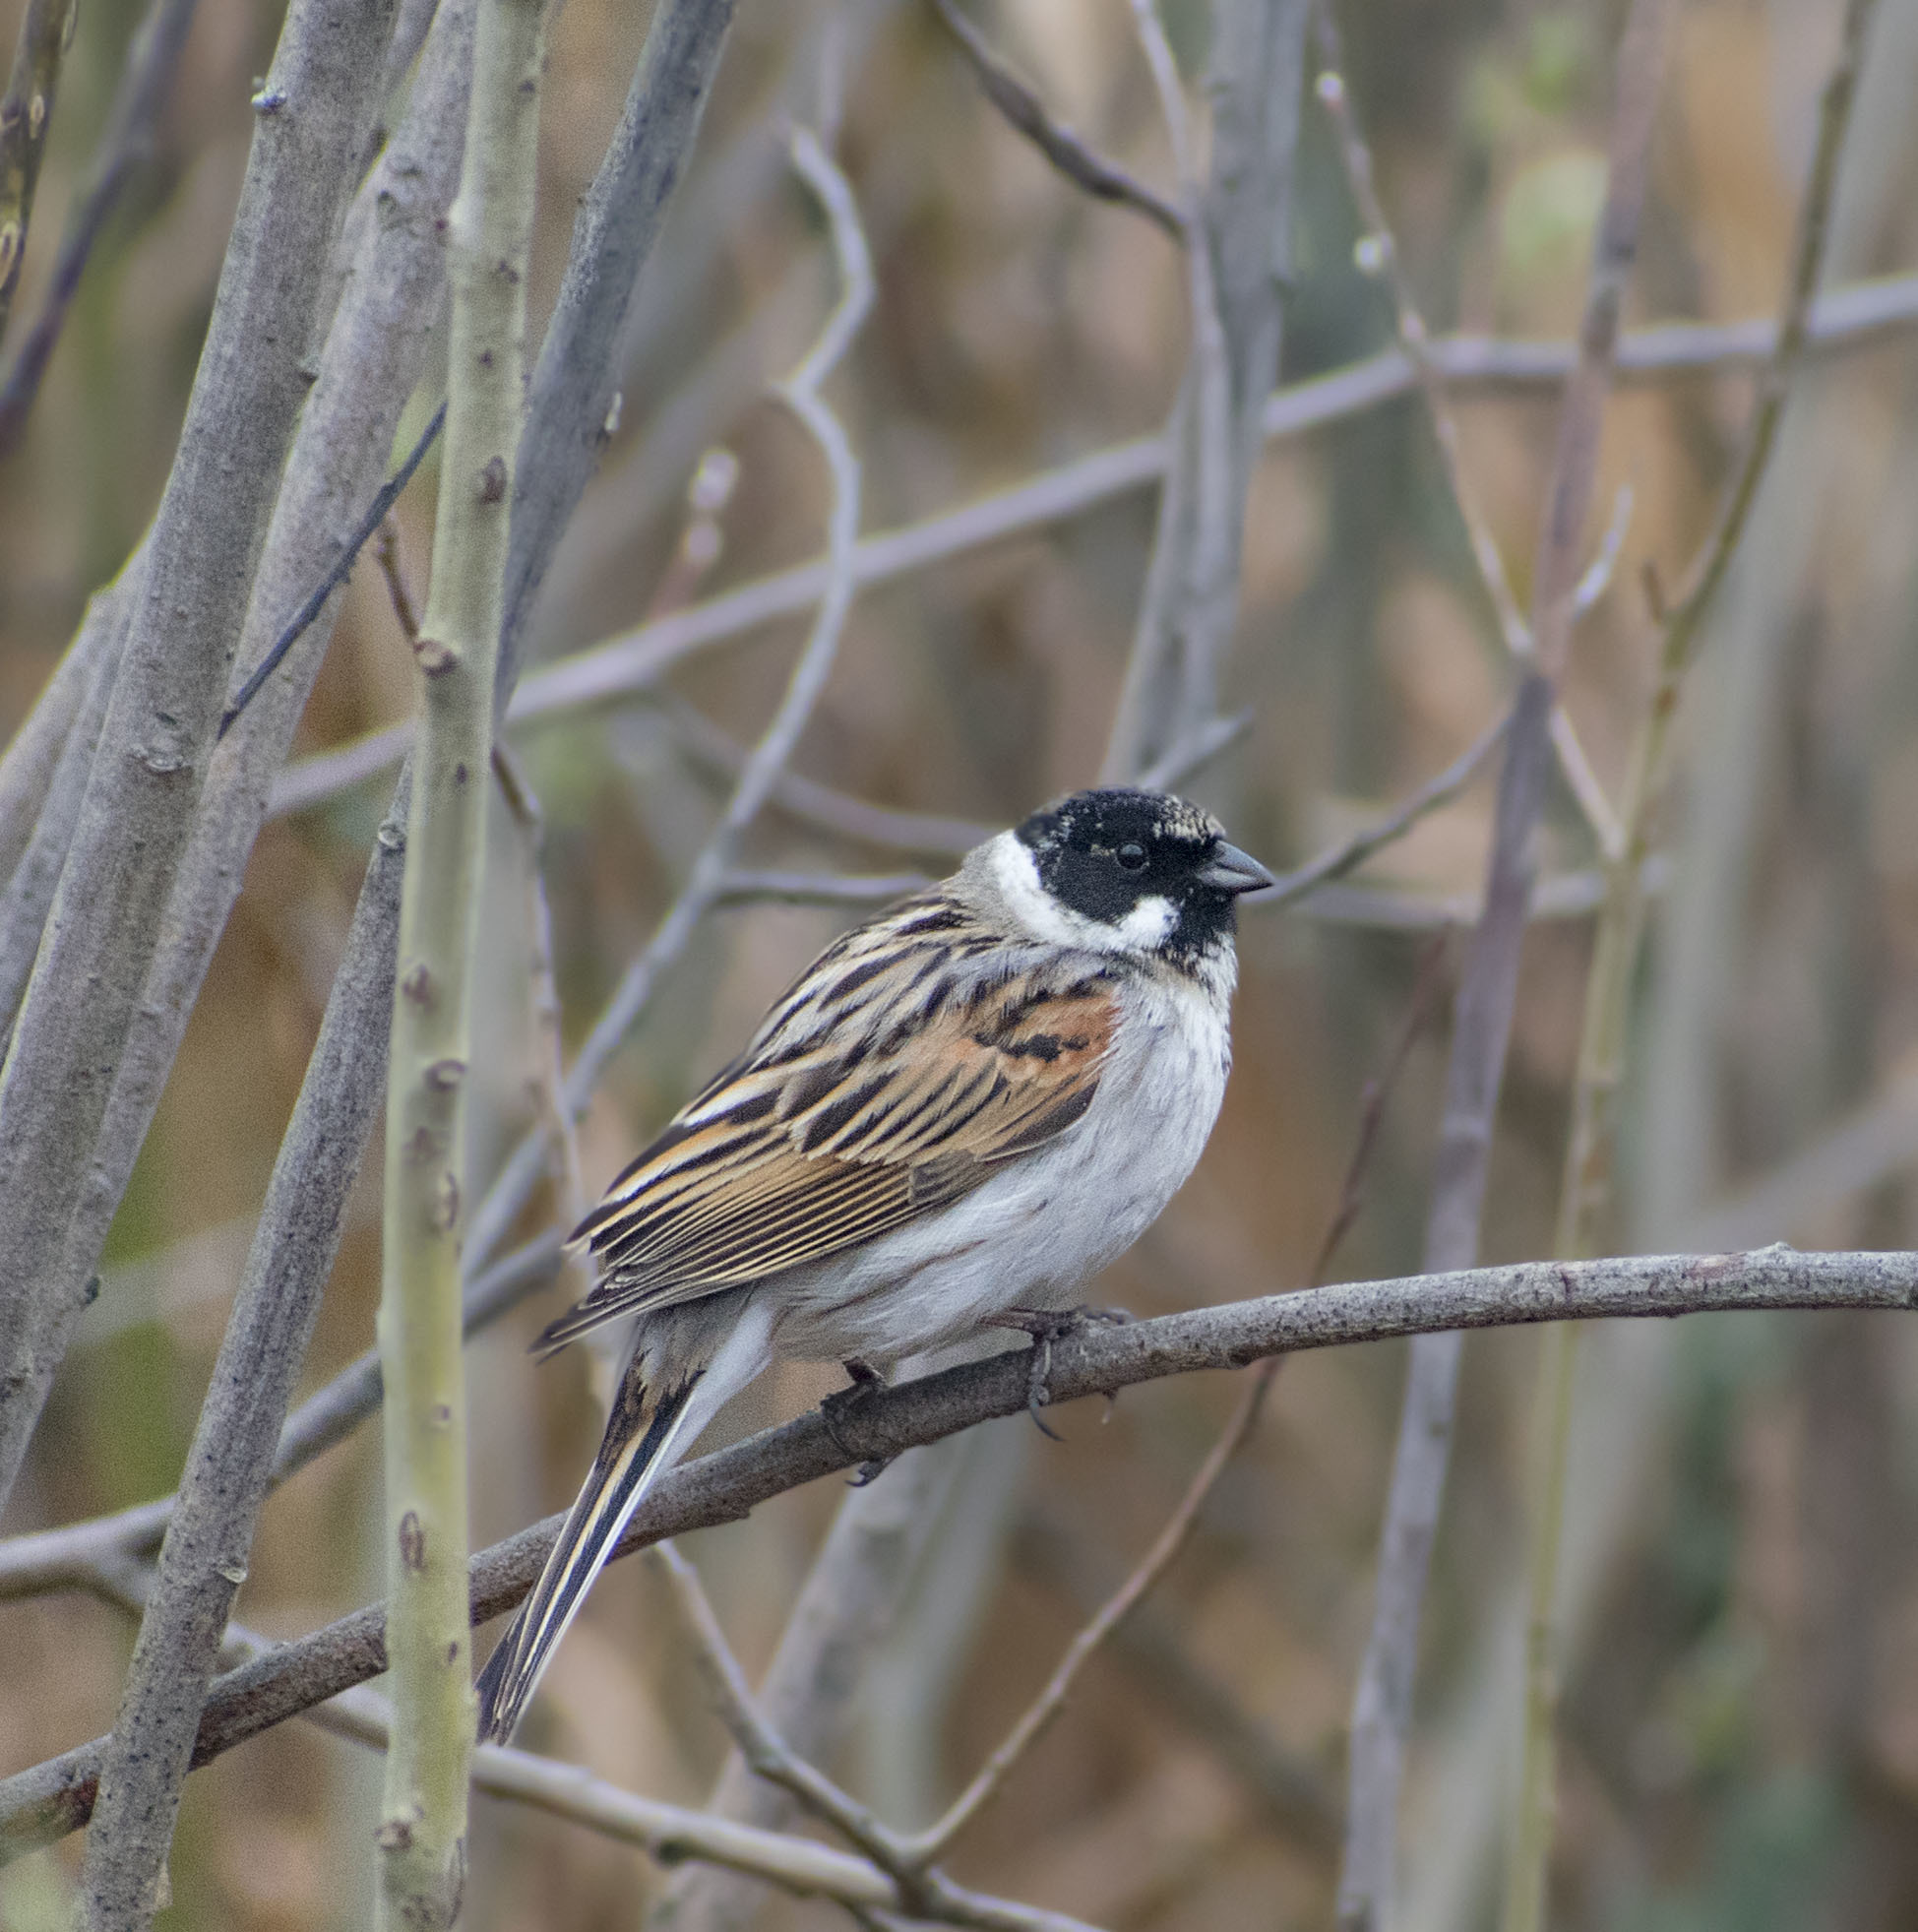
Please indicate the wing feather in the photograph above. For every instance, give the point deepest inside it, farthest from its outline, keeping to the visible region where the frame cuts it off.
(893, 1077)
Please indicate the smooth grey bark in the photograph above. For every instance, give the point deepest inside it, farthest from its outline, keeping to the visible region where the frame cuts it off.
(30, 759)
(368, 368)
(39, 1805)
(28, 895)
(138, 812)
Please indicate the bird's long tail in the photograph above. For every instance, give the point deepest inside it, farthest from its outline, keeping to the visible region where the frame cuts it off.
(640, 1437)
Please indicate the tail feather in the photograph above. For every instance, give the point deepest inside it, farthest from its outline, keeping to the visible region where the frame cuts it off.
(640, 1437)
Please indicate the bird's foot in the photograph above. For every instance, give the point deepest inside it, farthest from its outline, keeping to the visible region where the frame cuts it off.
(866, 1382)
(1046, 1326)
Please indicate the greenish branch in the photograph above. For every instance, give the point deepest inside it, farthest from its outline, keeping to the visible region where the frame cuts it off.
(422, 1829)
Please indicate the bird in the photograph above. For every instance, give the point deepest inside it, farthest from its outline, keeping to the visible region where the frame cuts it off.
(957, 1113)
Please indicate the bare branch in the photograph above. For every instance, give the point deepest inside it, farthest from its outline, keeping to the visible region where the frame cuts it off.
(1854, 317)
(1482, 1016)
(1378, 253)
(28, 895)
(673, 1834)
(1352, 853)
(422, 1835)
(1071, 157)
(367, 368)
(152, 57)
(1585, 1186)
(139, 811)
(851, 1596)
(45, 1802)
(1242, 217)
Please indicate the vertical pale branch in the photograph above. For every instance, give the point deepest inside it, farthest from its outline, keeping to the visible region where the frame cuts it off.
(422, 1830)
(1482, 1016)
(1585, 1195)
(26, 112)
(1238, 231)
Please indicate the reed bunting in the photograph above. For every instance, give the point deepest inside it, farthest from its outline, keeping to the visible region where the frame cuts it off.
(960, 1111)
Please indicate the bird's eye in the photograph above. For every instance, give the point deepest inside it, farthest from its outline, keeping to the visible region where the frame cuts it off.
(1131, 855)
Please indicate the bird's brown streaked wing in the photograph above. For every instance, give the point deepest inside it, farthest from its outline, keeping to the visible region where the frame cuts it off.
(910, 1081)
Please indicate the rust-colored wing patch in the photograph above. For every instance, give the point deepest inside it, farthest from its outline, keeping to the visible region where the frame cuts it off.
(892, 1079)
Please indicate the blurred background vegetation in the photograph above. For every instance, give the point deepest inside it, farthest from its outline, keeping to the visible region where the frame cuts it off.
(1741, 1728)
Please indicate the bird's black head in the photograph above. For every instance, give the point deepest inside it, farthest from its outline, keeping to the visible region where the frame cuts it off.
(1154, 872)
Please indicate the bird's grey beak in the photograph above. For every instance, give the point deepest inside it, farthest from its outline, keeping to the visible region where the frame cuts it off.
(1230, 870)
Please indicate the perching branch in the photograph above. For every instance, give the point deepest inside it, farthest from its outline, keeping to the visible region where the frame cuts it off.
(1482, 1015)
(53, 1798)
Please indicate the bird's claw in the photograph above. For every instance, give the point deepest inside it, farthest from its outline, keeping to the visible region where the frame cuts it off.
(1046, 1326)
(866, 1381)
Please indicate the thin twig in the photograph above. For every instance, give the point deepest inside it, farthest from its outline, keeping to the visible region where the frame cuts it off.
(820, 888)
(342, 568)
(869, 1564)
(923, 1893)
(1853, 317)
(1350, 853)
(1378, 253)
(1072, 158)
(1294, 1795)
(713, 750)
(51, 1799)
(767, 1753)
(1585, 1196)
(672, 1833)
(548, 1073)
(1482, 1019)
(128, 140)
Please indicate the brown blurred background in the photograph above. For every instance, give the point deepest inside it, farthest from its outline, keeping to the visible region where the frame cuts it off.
(1741, 1729)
